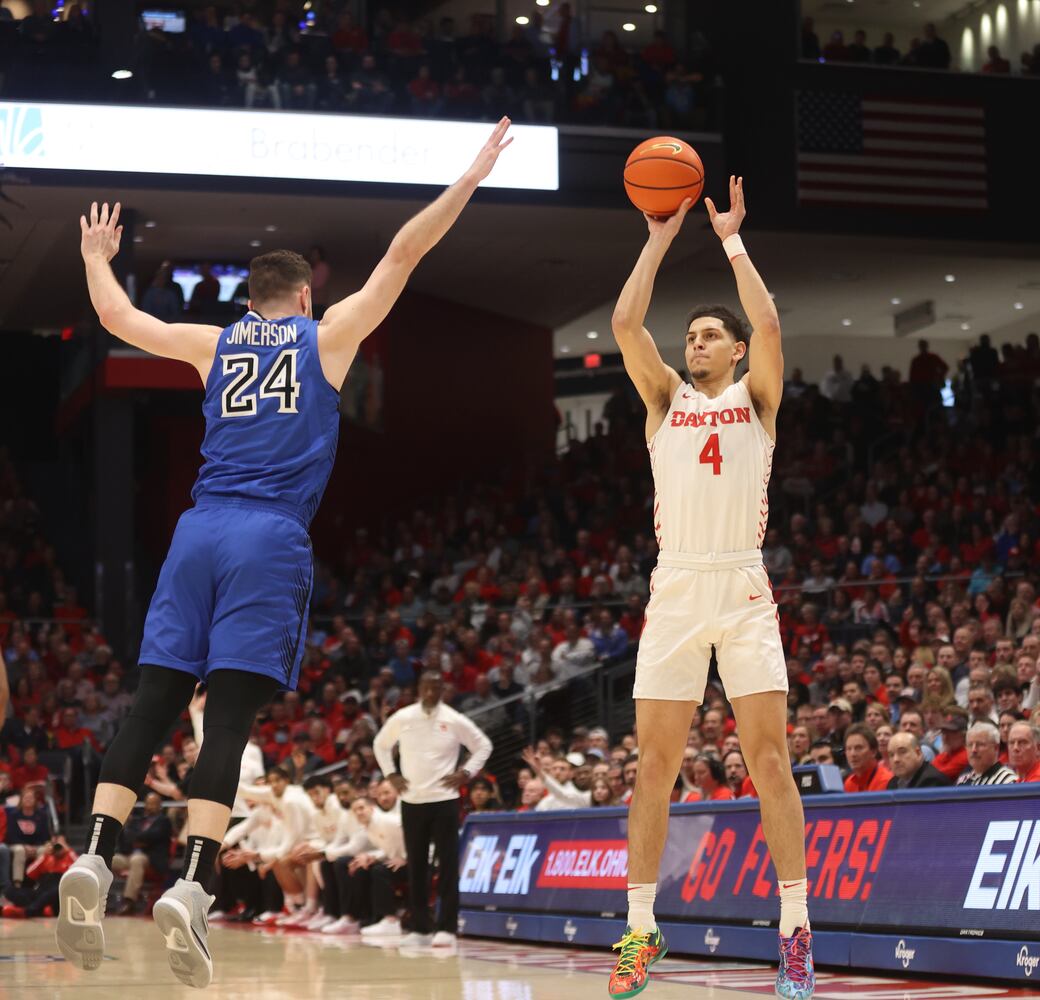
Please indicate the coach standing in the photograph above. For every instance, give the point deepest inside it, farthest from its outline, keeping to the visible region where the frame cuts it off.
(430, 735)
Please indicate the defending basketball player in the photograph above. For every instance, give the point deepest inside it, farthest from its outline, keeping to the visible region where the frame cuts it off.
(711, 447)
(230, 607)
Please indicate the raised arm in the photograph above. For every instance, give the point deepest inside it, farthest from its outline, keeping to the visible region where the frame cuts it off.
(653, 379)
(765, 377)
(99, 243)
(347, 322)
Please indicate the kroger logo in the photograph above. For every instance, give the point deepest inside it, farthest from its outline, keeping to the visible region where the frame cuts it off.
(511, 926)
(1027, 962)
(904, 954)
(461, 923)
(21, 131)
(711, 939)
(569, 930)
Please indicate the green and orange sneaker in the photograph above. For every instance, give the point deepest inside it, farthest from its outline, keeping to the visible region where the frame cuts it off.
(639, 951)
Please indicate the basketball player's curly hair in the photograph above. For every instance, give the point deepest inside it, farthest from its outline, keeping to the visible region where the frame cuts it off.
(731, 322)
(274, 275)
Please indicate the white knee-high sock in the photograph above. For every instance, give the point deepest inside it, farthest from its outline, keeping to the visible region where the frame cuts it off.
(794, 910)
(641, 896)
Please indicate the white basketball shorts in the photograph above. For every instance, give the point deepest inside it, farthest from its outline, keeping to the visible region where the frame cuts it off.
(699, 601)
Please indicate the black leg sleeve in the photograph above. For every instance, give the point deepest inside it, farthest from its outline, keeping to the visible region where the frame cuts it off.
(161, 697)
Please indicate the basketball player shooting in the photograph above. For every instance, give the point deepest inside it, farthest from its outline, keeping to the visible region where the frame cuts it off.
(711, 448)
(231, 604)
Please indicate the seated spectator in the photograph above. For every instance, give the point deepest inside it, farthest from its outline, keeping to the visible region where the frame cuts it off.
(404, 46)
(857, 50)
(218, 88)
(709, 776)
(983, 743)
(539, 98)
(481, 798)
(886, 54)
(206, 294)
(373, 871)
(909, 767)
(31, 773)
(736, 770)
(498, 97)
(28, 831)
(162, 299)
(609, 639)
(574, 654)
(953, 760)
(246, 35)
(557, 779)
(297, 88)
(531, 794)
(369, 90)
(867, 772)
(143, 843)
(425, 93)
(37, 894)
(1023, 743)
(245, 876)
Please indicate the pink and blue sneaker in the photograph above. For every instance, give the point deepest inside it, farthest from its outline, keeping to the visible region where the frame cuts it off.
(796, 978)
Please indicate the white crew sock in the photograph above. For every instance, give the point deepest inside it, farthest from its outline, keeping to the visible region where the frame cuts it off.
(794, 912)
(641, 896)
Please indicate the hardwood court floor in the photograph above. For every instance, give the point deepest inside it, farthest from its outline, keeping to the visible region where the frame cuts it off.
(291, 965)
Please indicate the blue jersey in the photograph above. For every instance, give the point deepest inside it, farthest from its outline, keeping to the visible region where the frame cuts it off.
(272, 419)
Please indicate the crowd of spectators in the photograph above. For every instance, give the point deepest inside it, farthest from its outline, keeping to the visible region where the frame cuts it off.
(928, 51)
(905, 557)
(324, 59)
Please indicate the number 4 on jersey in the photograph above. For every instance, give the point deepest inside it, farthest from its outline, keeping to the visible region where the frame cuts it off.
(280, 384)
(710, 455)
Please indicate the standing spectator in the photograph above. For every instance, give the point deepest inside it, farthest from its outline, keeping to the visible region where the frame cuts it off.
(1024, 751)
(320, 274)
(997, 63)
(933, 52)
(836, 385)
(810, 40)
(886, 54)
(349, 37)
(835, 50)
(143, 842)
(539, 99)
(983, 744)
(868, 773)
(659, 54)
(162, 299)
(909, 768)
(857, 50)
(429, 735)
(561, 792)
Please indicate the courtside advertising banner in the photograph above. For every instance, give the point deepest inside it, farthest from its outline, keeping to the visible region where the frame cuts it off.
(267, 144)
(965, 863)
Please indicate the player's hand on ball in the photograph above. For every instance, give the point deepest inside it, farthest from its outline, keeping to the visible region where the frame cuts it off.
(669, 226)
(727, 223)
(100, 236)
(488, 156)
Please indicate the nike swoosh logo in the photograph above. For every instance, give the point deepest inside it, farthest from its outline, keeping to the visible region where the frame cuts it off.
(754, 597)
(200, 942)
(675, 147)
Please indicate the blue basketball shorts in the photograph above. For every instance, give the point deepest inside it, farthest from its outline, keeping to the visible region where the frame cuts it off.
(233, 593)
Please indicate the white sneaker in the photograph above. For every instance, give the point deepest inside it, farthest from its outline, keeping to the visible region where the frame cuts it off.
(82, 897)
(444, 939)
(317, 922)
(268, 916)
(180, 915)
(344, 925)
(384, 929)
(296, 919)
(217, 915)
(416, 940)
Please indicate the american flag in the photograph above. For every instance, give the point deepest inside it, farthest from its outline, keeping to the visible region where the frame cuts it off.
(919, 154)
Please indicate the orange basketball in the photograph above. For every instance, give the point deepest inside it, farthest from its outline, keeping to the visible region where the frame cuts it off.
(661, 172)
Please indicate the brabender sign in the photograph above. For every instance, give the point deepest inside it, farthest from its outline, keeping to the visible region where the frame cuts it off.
(267, 144)
(965, 863)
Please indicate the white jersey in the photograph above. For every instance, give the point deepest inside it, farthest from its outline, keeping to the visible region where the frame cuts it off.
(711, 460)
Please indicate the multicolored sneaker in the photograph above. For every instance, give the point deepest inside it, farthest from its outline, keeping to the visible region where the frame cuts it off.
(639, 951)
(796, 979)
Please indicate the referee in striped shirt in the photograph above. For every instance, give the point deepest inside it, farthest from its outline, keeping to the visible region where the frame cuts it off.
(983, 745)
(430, 736)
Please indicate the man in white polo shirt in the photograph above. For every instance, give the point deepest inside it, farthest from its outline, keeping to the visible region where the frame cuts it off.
(430, 736)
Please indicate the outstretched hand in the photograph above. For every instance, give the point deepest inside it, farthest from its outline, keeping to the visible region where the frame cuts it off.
(668, 226)
(102, 233)
(727, 223)
(488, 156)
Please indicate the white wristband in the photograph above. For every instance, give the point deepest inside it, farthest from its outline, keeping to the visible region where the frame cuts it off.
(734, 246)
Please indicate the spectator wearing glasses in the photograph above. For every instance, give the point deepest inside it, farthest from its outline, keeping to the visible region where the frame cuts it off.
(983, 745)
